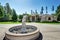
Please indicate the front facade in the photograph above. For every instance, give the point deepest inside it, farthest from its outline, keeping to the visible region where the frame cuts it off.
(43, 17)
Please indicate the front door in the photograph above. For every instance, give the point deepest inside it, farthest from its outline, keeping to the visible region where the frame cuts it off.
(33, 18)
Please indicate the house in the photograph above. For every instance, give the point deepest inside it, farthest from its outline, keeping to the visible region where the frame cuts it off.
(42, 17)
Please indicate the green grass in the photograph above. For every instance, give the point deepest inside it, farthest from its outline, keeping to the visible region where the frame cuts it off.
(10, 22)
(28, 22)
(48, 22)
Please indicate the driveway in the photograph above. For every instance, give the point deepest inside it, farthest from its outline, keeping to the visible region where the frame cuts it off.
(49, 31)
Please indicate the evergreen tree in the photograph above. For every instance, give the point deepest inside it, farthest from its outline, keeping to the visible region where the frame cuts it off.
(8, 8)
(36, 12)
(58, 13)
(58, 10)
(46, 10)
(31, 11)
(53, 8)
(42, 10)
(20, 17)
(1, 11)
(8, 11)
(14, 17)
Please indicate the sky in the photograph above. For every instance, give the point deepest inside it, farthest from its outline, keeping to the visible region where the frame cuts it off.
(22, 6)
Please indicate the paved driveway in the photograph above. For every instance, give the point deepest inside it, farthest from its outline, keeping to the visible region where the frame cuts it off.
(49, 31)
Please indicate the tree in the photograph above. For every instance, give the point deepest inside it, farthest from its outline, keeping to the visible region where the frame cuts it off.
(14, 17)
(32, 12)
(25, 13)
(42, 10)
(46, 10)
(1, 11)
(58, 13)
(53, 8)
(8, 11)
(20, 17)
(58, 17)
(58, 10)
(36, 12)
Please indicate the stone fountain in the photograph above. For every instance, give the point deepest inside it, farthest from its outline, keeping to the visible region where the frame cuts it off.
(22, 32)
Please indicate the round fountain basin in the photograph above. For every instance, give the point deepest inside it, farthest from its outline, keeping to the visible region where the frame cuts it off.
(22, 33)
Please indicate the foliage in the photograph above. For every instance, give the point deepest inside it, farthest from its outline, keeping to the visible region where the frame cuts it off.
(42, 10)
(1, 11)
(10, 22)
(14, 17)
(58, 17)
(6, 12)
(32, 12)
(8, 9)
(36, 12)
(20, 17)
(46, 9)
(50, 22)
(53, 8)
(58, 10)
(58, 13)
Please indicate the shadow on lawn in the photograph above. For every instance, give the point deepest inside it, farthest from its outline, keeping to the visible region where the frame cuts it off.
(39, 38)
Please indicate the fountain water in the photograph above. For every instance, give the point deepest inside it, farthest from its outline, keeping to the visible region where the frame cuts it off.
(22, 32)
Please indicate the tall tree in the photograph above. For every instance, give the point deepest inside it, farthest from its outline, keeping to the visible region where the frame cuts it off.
(14, 17)
(31, 11)
(46, 10)
(8, 8)
(58, 10)
(8, 11)
(20, 17)
(58, 13)
(42, 10)
(1, 11)
(36, 12)
(53, 8)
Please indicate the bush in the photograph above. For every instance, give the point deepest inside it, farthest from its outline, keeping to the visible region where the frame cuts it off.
(55, 21)
(50, 21)
(45, 22)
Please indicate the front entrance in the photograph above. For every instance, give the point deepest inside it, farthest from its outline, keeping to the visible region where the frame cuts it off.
(33, 18)
(49, 18)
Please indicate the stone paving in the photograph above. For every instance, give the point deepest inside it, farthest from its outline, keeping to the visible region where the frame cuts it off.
(49, 31)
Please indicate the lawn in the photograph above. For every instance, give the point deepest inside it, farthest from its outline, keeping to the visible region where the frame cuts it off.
(28, 22)
(10, 22)
(49, 22)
